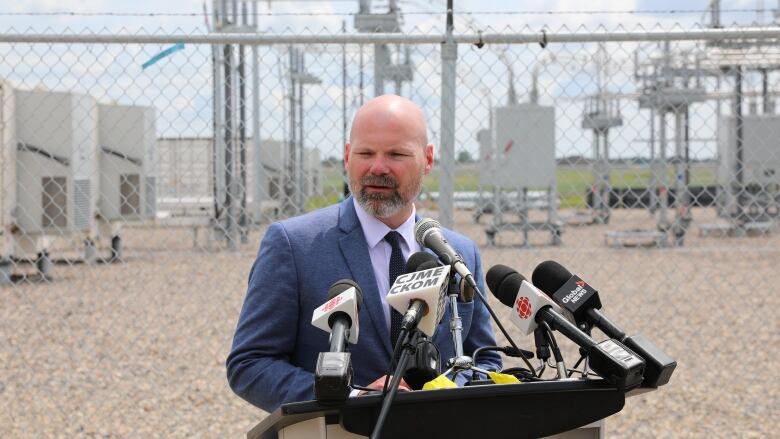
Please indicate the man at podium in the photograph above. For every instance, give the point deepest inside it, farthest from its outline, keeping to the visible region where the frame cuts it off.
(366, 238)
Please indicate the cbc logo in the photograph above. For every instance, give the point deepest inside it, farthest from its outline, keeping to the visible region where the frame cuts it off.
(523, 307)
(331, 304)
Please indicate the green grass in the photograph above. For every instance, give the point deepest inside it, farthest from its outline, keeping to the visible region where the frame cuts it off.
(573, 182)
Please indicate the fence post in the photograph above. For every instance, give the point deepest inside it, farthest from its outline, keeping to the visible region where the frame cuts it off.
(449, 58)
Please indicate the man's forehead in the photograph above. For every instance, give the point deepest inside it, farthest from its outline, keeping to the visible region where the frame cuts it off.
(369, 143)
(389, 121)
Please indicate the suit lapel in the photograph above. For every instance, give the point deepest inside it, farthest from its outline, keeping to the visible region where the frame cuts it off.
(355, 250)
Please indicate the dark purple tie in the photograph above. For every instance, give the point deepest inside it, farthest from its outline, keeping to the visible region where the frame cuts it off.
(396, 269)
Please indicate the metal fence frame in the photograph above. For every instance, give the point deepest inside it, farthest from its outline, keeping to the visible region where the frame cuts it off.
(449, 57)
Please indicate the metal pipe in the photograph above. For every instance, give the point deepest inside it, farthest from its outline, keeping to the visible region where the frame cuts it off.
(379, 69)
(259, 180)
(288, 186)
(241, 192)
(715, 13)
(716, 35)
(449, 58)
(218, 147)
(300, 177)
(663, 188)
(344, 107)
(229, 145)
(765, 99)
(739, 122)
(653, 164)
(361, 85)
(596, 186)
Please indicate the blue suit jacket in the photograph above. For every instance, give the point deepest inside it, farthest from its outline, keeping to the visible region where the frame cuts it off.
(275, 347)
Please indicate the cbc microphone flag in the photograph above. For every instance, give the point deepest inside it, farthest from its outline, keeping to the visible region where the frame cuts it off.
(345, 302)
(528, 302)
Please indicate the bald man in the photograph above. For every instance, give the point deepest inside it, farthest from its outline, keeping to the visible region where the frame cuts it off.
(275, 347)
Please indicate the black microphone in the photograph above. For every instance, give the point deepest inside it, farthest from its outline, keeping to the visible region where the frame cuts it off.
(575, 296)
(582, 300)
(610, 359)
(425, 365)
(428, 234)
(339, 316)
(417, 259)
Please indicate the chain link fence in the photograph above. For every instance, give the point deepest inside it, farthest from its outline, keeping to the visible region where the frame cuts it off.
(137, 186)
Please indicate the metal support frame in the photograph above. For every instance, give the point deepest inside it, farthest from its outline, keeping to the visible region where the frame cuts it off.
(522, 206)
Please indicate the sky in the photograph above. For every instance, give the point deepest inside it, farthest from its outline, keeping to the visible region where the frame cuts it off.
(179, 86)
(181, 14)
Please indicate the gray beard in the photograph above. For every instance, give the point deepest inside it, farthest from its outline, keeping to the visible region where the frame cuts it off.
(379, 205)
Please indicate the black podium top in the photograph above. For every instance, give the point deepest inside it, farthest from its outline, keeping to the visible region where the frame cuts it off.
(527, 410)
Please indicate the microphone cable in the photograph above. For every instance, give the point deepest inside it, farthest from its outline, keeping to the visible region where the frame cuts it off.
(576, 365)
(522, 374)
(402, 335)
(509, 351)
(495, 319)
(560, 365)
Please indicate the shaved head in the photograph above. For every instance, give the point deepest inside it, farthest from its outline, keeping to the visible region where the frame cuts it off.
(387, 157)
(390, 112)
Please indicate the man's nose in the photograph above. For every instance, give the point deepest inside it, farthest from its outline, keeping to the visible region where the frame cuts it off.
(379, 166)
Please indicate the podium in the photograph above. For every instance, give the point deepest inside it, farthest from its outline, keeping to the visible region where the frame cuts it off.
(510, 411)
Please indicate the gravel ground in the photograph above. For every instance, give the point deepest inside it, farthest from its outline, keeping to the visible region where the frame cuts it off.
(137, 349)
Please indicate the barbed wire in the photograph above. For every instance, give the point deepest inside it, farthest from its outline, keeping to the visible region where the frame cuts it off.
(270, 13)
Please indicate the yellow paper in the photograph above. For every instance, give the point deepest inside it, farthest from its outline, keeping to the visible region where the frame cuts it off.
(440, 382)
(502, 378)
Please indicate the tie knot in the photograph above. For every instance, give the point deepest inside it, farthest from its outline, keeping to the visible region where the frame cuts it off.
(393, 238)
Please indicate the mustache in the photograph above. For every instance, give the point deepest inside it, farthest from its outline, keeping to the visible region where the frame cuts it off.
(380, 180)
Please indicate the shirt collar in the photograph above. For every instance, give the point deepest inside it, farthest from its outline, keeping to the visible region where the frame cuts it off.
(375, 230)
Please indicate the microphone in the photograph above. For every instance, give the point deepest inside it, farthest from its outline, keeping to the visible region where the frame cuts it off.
(417, 259)
(419, 295)
(428, 234)
(511, 289)
(425, 365)
(339, 316)
(582, 300)
(610, 359)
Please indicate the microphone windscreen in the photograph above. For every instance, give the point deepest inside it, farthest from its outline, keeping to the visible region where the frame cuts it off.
(422, 227)
(427, 265)
(549, 276)
(417, 259)
(342, 285)
(504, 282)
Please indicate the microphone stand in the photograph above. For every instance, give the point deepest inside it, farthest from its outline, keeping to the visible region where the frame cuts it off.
(408, 349)
(461, 362)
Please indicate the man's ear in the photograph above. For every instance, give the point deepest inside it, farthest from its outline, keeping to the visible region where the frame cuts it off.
(428, 158)
(346, 154)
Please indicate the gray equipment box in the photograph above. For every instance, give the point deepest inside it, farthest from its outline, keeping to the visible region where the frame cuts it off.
(524, 146)
(57, 162)
(760, 150)
(128, 182)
